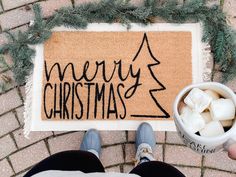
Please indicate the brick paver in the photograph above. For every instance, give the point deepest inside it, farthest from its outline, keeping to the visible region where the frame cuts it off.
(131, 136)
(79, 2)
(29, 156)
(130, 149)
(3, 39)
(216, 161)
(7, 146)
(216, 173)
(113, 169)
(173, 138)
(112, 155)
(5, 169)
(118, 146)
(65, 142)
(21, 141)
(113, 137)
(134, 2)
(229, 7)
(9, 100)
(21, 174)
(231, 84)
(16, 17)
(127, 168)
(10, 4)
(60, 132)
(48, 7)
(158, 153)
(22, 91)
(20, 115)
(8, 123)
(182, 155)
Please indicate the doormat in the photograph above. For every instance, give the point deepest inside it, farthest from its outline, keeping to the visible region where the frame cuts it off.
(108, 78)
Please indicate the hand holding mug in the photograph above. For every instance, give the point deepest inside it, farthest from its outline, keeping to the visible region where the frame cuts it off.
(232, 151)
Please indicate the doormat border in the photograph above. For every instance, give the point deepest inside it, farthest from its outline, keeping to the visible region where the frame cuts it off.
(200, 57)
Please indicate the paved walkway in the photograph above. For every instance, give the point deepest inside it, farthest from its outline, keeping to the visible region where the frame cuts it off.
(18, 155)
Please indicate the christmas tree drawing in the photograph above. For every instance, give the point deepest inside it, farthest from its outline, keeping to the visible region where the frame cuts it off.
(149, 83)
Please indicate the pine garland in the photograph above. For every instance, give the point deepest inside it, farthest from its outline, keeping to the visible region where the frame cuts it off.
(217, 32)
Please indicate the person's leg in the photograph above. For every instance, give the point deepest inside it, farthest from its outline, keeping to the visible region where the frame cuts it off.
(145, 142)
(83, 161)
(156, 169)
(92, 142)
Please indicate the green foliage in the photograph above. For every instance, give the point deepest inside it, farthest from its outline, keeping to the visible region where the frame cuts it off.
(216, 30)
(38, 32)
(3, 63)
(21, 55)
(5, 81)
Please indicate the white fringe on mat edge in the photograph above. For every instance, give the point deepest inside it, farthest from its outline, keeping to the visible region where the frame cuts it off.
(28, 105)
(207, 62)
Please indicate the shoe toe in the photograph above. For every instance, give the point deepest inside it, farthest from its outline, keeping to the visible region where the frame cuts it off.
(91, 140)
(145, 134)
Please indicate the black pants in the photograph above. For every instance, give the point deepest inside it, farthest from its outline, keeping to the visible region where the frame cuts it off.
(87, 162)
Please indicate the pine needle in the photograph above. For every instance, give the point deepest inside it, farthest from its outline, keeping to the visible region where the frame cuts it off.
(217, 32)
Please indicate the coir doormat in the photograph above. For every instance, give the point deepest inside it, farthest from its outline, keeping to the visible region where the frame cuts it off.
(108, 78)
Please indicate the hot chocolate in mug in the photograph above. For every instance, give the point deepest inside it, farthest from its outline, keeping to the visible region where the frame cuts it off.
(205, 145)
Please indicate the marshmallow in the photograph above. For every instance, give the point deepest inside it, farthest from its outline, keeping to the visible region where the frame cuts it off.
(214, 95)
(185, 110)
(180, 107)
(226, 123)
(198, 100)
(206, 116)
(193, 121)
(222, 109)
(214, 128)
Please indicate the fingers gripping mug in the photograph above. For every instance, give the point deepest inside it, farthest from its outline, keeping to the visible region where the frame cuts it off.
(205, 145)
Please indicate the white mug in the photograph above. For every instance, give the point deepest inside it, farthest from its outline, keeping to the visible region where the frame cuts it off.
(205, 145)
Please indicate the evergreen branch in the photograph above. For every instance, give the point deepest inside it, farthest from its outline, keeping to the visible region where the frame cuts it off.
(222, 3)
(37, 13)
(3, 63)
(216, 30)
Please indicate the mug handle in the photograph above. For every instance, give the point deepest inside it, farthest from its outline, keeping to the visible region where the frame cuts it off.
(232, 140)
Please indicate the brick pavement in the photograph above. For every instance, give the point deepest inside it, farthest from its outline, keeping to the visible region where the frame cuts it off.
(18, 155)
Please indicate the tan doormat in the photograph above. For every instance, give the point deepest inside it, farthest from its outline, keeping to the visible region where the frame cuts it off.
(112, 79)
